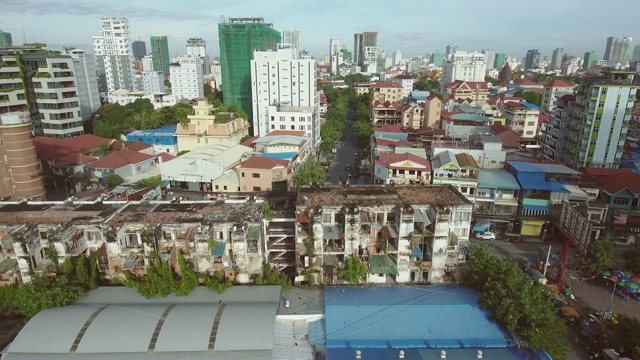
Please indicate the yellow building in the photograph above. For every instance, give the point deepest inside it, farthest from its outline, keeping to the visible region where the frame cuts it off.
(386, 91)
(206, 128)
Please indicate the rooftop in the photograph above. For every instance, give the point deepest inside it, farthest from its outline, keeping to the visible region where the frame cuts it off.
(498, 179)
(118, 159)
(406, 161)
(49, 148)
(263, 162)
(371, 195)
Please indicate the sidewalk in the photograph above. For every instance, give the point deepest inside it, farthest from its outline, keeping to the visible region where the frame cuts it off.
(597, 297)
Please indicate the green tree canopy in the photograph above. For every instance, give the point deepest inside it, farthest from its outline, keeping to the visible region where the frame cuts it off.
(426, 85)
(632, 259)
(518, 306)
(627, 333)
(600, 256)
(114, 179)
(354, 270)
(530, 96)
(362, 131)
(355, 78)
(271, 277)
(311, 172)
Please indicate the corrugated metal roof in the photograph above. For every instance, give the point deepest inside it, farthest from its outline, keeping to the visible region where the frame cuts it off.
(497, 179)
(120, 323)
(282, 156)
(433, 354)
(408, 317)
(556, 169)
(442, 159)
(523, 166)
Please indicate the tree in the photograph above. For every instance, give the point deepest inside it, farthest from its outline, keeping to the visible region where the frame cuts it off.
(362, 131)
(79, 175)
(114, 179)
(355, 78)
(217, 282)
(626, 333)
(182, 152)
(41, 293)
(103, 150)
(311, 172)
(529, 96)
(188, 278)
(82, 271)
(354, 270)
(600, 256)
(266, 210)
(245, 138)
(426, 85)
(271, 277)
(517, 305)
(632, 259)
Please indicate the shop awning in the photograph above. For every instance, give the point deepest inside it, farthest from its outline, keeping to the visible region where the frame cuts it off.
(482, 225)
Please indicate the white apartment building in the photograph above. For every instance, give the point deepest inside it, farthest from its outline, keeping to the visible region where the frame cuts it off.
(186, 81)
(336, 60)
(114, 55)
(397, 58)
(147, 63)
(570, 67)
(198, 47)
(84, 68)
(465, 66)
(282, 78)
(489, 58)
(299, 118)
(150, 82)
(56, 95)
(158, 100)
(334, 46)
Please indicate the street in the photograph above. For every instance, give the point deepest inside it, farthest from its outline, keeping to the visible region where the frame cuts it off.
(344, 155)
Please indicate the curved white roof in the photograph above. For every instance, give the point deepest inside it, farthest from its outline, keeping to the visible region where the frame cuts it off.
(118, 324)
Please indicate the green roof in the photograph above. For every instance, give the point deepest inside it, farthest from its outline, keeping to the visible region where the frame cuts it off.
(7, 264)
(253, 232)
(382, 264)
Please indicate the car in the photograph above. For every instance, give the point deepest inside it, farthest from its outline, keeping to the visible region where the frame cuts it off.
(486, 236)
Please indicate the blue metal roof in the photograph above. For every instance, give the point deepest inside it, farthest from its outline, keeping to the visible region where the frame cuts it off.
(218, 248)
(535, 207)
(408, 317)
(529, 105)
(470, 117)
(434, 354)
(523, 166)
(539, 183)
(283, 156)
(497, 179)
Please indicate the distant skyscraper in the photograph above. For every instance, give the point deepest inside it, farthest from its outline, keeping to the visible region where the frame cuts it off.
(532, 59)
(397, 58)
(437, 59)
(556, 58)
(160, 54)
(364, 45)
(465, 66)
(186, 81)
(139, 49)
(451, 49)
(617, 50)
(358, 48)
(334, 46)
(5, 39)
(501, 58)
(636, 53)
(370, 38)
(238, 39)
(589, 58)
(113, 52)
(291, 37)
(489, 58)
(198, 48)
(84, 67)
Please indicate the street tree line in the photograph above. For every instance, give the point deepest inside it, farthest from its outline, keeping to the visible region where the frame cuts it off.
(520, 307)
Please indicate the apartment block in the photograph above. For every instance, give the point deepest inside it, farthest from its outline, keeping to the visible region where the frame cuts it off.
(552, 91)
(600, 119)
(465, 66)
(186, 78)
(114, 55)
(403, 234)
(557, 129)
(160, 54)
(84, 69)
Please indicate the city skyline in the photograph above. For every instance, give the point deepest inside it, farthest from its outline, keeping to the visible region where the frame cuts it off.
(463, 23)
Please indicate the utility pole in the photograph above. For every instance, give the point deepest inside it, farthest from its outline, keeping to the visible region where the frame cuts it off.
(546, 263)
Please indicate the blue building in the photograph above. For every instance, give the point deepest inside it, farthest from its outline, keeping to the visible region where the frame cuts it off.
(162, 140)
(418, 322)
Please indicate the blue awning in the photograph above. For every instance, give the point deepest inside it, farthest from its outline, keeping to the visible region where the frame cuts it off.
(482, 225)
(218, 248)
(416, 252)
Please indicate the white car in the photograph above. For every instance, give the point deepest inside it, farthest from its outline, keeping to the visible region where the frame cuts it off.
(486, 236)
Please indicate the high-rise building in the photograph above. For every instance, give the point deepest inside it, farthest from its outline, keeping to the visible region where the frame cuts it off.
(489, 58)
(557, 58)
(598, 129)
(5, 39)
(397, 58)
(139, 49)
(160, 54)
(451, 49)
(284, 93)
(147, 63)
(501, 59)
(358, 49)
(437, 59)
(198, 47)
(364, 46)
(346, 54)
(150, 82)
(636, 53)
(589, 58)
(238, 39)
(186, 78)
(334, 46)
(113, 52)
(370, 38)
(617, 50)
(532, 59)
(465, 66)
(84, 68)
(292, 38)
(20, 169)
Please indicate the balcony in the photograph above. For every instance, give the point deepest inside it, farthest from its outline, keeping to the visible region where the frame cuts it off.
(535, 202)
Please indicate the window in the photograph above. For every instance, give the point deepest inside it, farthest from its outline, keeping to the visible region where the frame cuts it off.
(242, 174)
(256, 188)
(255, 175)
(281, 118)
(301, 127)
(463, 189)
(529, 133)
(225, 187)
(273, 127)
(590, 154)
(217, 187)
(531, 123)
(293, 127)
(283, 127)
(620, 201)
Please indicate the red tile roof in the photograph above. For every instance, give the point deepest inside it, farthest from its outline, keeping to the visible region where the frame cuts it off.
(603, 171)
(386, 159)
(542, 118)
(515, 105)
(249, 142)
(498, 128)
(287, 132)
(49, 148)
(130, 145)
(389, 128)
(121, 158)
(636, 113)
(386, 85)
(263, 162)
(559, 83)
(403, 77)
(614, 184)
(164, 157)
(77, 159)
(387, 105)
(432, 96)
(473, 85)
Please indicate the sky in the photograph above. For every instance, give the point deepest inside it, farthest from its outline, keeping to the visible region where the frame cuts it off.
(412, 27)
